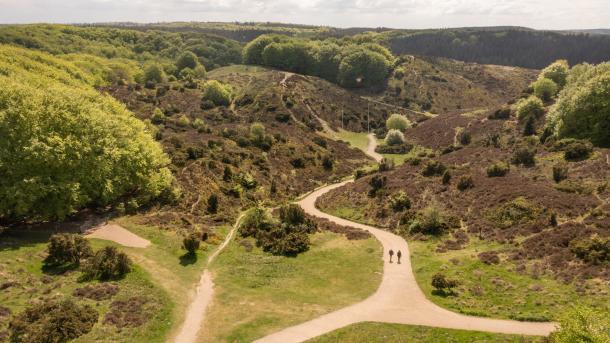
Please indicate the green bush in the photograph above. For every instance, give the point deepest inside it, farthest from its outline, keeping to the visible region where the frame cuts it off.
(157, 117)
(443, 284)
(394, 137)
(183, 120)
(397, 122)
(430, 221)
(464, 137)
(153, 73)
(545, 89)
(578, 150)
(362, 68)
(433, 168)
(191, 243)
(582, 325)
(498, 169)
(66, 248)
(557, 72)
(399, 201)
(217, 93)
(287, 237)
(560, 172)
(524, 155)
(465, 182)
(107, 263)
(52, 321)
(531, 107)
(377, 183)
(212, 206)
(517, 211)
(594, 250)
(501, 113)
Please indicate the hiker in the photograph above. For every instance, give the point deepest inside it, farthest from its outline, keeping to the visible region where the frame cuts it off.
(391, 254)
(398, 254)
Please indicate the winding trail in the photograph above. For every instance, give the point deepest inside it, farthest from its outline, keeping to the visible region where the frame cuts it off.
(398, 298)
(195, 315)
(117, 234)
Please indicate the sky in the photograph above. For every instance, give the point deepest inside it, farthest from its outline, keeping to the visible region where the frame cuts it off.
(539, 14)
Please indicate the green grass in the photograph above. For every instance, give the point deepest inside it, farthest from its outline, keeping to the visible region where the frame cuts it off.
(358, 140)
(168, 263)
(257, 293)
(393, 333)
(21, 261)
(236, 69)
(502, 291)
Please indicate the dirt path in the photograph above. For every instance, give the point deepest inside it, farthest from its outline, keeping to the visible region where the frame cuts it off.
(398, 298)
(118, 234)
(370, 148)
(195, 314)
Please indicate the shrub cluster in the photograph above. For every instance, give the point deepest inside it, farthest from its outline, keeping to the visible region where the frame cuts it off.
(433, 168)
(399, 201)
(465, 182)
(107, 263)
(52, 321)
(66, 248)
(431, 220)
(377, 183)
(498, 169)
(191, 242)
(560, 172)
(216, 94)
(594, 250)
(288, 236)
(524, 155)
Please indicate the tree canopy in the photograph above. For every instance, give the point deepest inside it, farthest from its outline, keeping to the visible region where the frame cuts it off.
(346, 62)
(65, 146)
(582, 109)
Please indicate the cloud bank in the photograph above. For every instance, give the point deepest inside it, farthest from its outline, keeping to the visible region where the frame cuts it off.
(542, 14)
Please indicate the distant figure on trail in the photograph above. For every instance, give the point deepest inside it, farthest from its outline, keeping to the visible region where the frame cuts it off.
(391, 254)
(398, 254)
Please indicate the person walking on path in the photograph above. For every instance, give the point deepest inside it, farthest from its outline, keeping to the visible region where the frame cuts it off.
(391, 254)
(398, 254)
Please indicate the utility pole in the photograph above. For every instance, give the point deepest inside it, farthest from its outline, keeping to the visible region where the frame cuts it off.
(342, 117)
(368, 116)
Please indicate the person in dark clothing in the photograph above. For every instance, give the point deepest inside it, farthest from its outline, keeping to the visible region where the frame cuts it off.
(398, 254)
(391, 254)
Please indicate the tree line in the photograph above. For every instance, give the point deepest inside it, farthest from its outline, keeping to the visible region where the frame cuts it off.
(514, 47)
(346, 62)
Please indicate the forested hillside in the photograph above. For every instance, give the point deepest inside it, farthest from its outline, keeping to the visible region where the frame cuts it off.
(512, 47)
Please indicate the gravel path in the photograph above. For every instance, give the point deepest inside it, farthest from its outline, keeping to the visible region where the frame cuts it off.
(399, 298)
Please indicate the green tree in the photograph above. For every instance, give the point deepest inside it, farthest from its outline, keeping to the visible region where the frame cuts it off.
(397, 122)
(187, 60)
(362, 68)
(583, 325)
(544, 88)
(529, 107)
(66, 146)
(583, 108)
(557, 72)
(253, 51)
(217, 93)
(153, 73)
(191, 243)
(394, 137)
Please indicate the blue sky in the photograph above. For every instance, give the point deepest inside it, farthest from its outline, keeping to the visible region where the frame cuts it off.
(541, 14)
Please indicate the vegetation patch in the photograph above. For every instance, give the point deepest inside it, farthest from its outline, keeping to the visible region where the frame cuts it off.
(381, 333)
(99, 292)
(517, 211)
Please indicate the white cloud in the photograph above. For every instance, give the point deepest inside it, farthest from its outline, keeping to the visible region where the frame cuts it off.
(552, 14)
